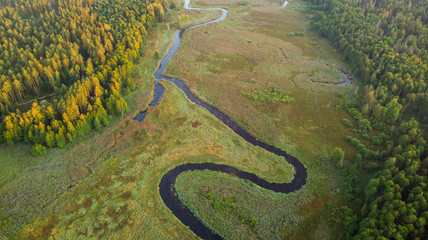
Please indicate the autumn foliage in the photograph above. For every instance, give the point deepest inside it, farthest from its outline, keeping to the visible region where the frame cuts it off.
(83, 50)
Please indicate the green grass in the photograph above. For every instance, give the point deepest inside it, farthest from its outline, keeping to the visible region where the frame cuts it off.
(198, 16)
(28, 187)
(237, 201)
(298, 215)
(13, 164)
(92, 208)
(220, 63)
(268, 94)
(308, 128)
(105, 185)
(269, 58)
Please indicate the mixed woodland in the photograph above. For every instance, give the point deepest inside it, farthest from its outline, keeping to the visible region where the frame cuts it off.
(386, 44)
(76, 55)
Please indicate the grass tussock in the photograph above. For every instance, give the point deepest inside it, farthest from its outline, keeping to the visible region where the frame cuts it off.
(118, 200)
(241, 210)
(268, 94)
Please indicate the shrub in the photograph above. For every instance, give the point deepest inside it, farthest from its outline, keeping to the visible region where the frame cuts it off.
(172, 4)
(348, 123)
(355, 142)
(243, 217)
(268, 94)
(364, 126)
(376, 140)
(157, 55)
(337, 155)
(365, 136)
(183, 19)
(380, 126)
(38, 150)
(358, 158)
(104, 119)
(216, 204)
(253, 222)
(355, 113)
(210, 195)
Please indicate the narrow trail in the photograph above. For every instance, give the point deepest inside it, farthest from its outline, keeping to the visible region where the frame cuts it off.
(166, 186)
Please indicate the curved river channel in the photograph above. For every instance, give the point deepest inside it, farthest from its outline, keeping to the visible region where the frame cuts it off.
(166, 186)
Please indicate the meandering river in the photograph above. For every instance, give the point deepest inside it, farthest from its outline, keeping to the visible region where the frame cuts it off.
(166, 186)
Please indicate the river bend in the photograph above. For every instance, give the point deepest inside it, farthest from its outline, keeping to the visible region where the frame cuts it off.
(166, 186)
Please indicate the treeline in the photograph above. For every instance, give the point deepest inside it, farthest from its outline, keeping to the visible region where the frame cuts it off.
(385, 42)
(83, 49)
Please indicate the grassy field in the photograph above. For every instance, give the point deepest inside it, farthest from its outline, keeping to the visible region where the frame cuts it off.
(259, 45)
(105, 185)
(121, 200)
(240, 54)
(29, 185)
(231, 208)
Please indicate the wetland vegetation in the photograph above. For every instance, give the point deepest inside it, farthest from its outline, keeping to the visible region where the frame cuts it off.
(273, 71)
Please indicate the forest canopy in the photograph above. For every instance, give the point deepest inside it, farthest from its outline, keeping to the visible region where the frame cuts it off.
(386, 44)
(80, 51)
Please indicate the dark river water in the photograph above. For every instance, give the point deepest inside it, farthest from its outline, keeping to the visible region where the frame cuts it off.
(166, 186)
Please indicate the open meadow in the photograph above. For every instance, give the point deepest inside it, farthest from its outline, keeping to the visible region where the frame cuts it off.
(258, 47)
(252, 50)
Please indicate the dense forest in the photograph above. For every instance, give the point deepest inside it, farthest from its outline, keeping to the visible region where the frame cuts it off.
(386, 44)
(79, 51)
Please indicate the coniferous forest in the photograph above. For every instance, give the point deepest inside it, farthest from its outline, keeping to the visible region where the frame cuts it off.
(386, 44)
(66, 66)
(79, 52)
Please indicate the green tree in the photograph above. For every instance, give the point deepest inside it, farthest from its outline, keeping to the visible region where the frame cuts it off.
(391, 112)
(97, 124)
(337, 155)
(183, 19)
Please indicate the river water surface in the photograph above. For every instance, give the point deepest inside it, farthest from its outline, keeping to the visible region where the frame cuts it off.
(166, 186)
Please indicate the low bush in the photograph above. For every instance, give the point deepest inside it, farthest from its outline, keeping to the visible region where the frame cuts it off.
(268, 94)
(38, 150)
(348, 123)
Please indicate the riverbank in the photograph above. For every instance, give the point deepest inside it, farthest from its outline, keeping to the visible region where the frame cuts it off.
(240, 54)
(30, 186)
(106, 186)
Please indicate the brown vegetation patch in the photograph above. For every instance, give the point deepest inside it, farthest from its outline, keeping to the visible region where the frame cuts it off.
(126, 195)
(100, 226)
(78, 172)
(87, 203)
(195, 124)
(268, 6)
(116, 211)
(44, 231)
(220, 63)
